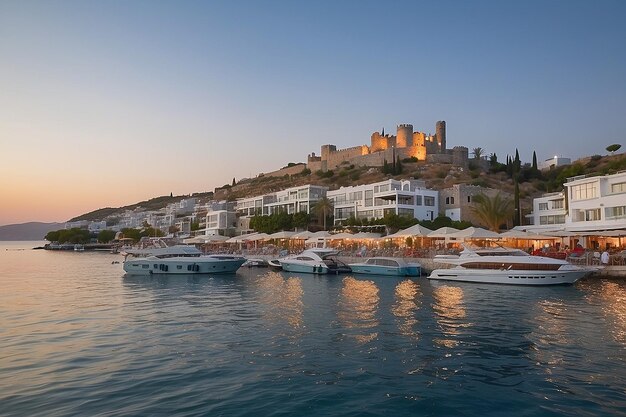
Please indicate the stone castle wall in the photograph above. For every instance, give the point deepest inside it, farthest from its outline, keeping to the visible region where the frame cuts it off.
(424, 147)
(292, 170)
(334, 159)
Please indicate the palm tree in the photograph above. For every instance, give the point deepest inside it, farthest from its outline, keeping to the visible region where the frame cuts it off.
(322, 207)
(492, 211)
(478, 152)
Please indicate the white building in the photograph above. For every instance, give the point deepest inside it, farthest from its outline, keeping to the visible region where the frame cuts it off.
(373, 201)
(554, 162)
(220, 222)
(549, 212)
(587, 204)
(292, 200)
(596, 203)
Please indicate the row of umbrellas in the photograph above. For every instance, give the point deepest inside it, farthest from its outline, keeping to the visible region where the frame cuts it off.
(413, 231)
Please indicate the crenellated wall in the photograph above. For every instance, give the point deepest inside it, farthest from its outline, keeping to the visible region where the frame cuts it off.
(406, 144)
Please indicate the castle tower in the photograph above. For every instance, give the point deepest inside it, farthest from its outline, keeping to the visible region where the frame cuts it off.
(404, 136)
(440, 132)
(379, 142)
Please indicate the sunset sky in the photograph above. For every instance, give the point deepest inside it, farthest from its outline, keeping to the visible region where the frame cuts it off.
(107, 103)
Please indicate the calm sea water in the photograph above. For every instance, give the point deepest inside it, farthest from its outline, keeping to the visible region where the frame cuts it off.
(78, 338)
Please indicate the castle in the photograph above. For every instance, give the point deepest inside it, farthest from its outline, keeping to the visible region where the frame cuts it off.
(405, 144)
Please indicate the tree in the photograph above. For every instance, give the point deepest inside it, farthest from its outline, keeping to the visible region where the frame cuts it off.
(105, 236)
(478, 152)
(492, 211)
(53, 236)
(301, 220)
(534, 161)
(322, 208)
(613, 148)
(517, 220)
(234, 181)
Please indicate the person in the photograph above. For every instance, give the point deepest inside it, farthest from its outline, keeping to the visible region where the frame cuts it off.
(604, 258)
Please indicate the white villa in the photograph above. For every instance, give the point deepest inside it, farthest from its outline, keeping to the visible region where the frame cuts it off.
(404, 198)
(592, 204)
(291, 200)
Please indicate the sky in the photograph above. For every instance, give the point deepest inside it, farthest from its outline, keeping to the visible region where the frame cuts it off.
(104, 104)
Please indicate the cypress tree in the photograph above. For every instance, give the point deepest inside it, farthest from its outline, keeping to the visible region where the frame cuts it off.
(534, 161)
(517, 221)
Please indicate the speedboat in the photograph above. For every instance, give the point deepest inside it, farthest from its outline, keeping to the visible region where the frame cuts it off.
(179, 259)
(506, 266)
(315, 261)
(387, 266)
(256, 263)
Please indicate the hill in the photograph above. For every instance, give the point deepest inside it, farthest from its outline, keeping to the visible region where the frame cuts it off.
(436, 175)
(28, 231)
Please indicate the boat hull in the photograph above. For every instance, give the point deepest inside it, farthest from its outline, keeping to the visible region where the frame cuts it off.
(183, 265)
(304, 268)
(512, 277)
(409, 271)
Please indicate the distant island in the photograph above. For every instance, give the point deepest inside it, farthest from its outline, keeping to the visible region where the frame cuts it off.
(28, 231)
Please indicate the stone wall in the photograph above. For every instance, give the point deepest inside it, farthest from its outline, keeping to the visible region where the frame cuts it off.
(292, 170)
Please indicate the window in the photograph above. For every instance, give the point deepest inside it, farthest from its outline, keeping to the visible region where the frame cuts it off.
(369, 198)
(429, 201)
(543, 206)
(620, 187)
(469, 198)
(451, 200)
(558, 219)
(584, 191)
(592, 215)
(558, 204)
(418, 200)
(616, 212)
(447, 200)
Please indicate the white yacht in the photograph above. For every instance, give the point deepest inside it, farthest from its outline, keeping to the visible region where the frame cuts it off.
(179, 259)
(314, 261)
(506, 266)
(387, 266)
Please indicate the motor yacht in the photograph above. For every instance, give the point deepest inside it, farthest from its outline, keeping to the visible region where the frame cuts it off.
(314, 261)
(179, 259)
(506, 266)
(387, 266)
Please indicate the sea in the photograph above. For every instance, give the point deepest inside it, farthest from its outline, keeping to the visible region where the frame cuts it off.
(79, 338)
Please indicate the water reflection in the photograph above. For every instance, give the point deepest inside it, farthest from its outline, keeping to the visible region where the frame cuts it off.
(357, 307)
(407, 302)
(282, 299)
(550, 335)
(612, 297)
(450, 314)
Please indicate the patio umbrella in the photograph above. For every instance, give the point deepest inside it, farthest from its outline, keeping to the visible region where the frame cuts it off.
(342, 235)
(475, 233)
(281, 235)
(416, 230)
(443, 232)
(522, 235)
(301, 235)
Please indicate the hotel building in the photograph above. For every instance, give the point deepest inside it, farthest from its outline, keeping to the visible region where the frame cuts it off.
(373, 201)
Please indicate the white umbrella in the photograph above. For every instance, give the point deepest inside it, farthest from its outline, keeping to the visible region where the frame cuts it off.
(281, 235)
(321, 233)
(241, 238)
(255, 237)
(340, 236)
(301, 235)
(443, 232)
(475, 233)
(522, 235)
(417, 230)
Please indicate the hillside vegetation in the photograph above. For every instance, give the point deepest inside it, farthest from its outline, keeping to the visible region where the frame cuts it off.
(532, 183)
